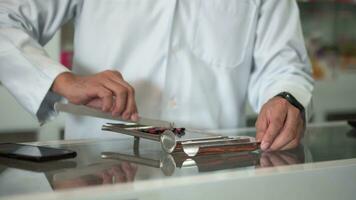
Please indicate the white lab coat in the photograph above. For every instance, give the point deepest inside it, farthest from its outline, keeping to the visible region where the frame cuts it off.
(193, 62)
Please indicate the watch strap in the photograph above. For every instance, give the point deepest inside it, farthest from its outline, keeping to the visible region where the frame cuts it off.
(292, 100)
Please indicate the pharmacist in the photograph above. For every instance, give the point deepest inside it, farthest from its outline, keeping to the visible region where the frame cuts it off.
(192, 62)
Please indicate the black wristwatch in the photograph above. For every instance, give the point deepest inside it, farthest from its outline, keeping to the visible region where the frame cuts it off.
(292, 100)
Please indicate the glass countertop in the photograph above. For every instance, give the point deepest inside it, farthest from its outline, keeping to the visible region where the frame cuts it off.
(122, 161)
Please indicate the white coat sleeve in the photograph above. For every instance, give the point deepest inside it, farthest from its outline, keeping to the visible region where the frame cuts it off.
(280, 58)
(25, 68)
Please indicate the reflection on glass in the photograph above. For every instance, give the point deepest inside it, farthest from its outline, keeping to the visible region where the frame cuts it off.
(168, 163)
(95, 175)
(280, 158)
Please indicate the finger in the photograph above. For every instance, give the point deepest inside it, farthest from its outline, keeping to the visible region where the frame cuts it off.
(134, 170)
(128, 171)
(291, 145)
(271, 133)
(261, 126)
(265, 161)
(117, 77)
(95, 103)
(276, 159)
(276, 116)
(131, 107)
(118, 173)
(290, 159)
(135, 116)
(134, 167)
(107, 99)
(120, 92)
(106, 178)
(289, 131)
(295, 142)
(105, 95)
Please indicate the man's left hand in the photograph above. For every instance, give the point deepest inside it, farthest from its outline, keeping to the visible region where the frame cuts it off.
(280, 125)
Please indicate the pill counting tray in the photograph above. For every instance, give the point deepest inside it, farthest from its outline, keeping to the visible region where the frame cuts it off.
(172, 140)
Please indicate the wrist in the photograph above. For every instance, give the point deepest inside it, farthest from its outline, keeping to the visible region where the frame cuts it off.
(293, 101)
(61, 83)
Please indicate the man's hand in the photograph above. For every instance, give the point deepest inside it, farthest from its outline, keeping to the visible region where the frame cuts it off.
(107, 91)
(280, 125)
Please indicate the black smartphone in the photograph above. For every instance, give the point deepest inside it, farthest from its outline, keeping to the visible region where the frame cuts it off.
(34, 153)
(352, 123)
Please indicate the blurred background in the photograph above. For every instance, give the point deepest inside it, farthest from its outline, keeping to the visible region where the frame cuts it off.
(330, 35)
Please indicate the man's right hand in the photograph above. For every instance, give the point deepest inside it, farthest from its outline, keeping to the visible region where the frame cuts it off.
(106, 90)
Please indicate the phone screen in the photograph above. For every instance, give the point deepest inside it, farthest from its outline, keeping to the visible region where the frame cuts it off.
(34, 153)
